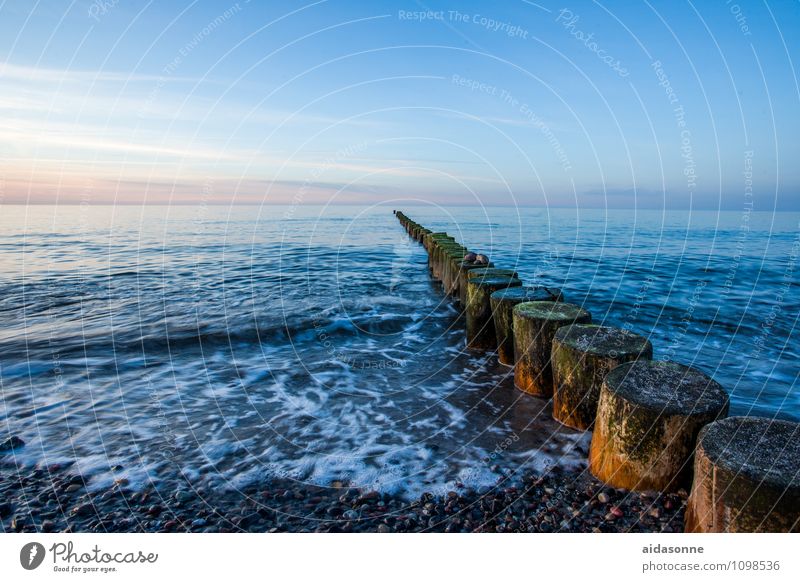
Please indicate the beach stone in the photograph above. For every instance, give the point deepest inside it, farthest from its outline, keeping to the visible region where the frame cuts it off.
(503, 302)
(648, 417)
(581, 357)
(535, 323)
(83, 510)
(480, 325)
(746, 477)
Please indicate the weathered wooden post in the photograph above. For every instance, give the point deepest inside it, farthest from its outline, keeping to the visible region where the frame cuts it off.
(746, 477)
(436, 243)
(480, 327)
(582, 356)
(535, 323)
(461, 279)
(491, 272)
(648, 418)
(443, 251)
(452, 257)
(503, 303)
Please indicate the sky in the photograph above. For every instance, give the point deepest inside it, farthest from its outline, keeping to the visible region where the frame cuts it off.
(679, 105)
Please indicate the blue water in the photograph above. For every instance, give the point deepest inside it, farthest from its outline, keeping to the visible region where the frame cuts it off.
(227, 345)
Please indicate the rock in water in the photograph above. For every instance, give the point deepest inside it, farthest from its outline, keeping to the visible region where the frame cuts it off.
(11, 443)
(470, 257)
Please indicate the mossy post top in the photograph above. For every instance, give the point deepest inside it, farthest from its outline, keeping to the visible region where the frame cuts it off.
(550, 310)
(490, 272)
(762, 449)
(667, 387)
(467, 266)
(516, 295)
(496, 282)
(603, 340)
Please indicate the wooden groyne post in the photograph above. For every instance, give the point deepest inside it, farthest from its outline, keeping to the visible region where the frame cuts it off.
(658, 425)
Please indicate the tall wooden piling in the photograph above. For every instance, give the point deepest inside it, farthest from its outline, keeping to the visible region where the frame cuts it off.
(648, 418)
(480, 325)
(746, 477)
(582, 356)
(503, 303)
(535, 324)
(460, 281)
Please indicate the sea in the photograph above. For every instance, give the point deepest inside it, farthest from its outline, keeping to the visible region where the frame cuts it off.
(228, 345)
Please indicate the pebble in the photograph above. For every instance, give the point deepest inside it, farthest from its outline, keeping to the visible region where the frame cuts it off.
(572, 502)
(83, 510)
(183, 496)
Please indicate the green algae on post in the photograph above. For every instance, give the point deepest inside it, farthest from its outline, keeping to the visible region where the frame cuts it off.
(746, 477)
(648, 418)
(582, 355)
(480, 326)
(535, 323)
(503, 303)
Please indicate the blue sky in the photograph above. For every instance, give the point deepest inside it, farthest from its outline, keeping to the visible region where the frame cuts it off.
(615, 104)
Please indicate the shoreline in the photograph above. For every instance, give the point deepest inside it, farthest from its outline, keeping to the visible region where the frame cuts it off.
(54, 499)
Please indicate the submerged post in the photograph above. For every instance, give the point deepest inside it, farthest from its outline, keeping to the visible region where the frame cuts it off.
(746, 477)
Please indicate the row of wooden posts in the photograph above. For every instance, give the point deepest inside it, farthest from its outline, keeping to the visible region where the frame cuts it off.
(657, 425)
